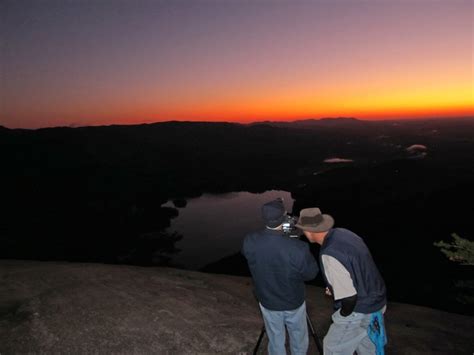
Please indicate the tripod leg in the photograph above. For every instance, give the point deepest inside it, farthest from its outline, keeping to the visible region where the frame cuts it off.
(315, 336)
(262, 333)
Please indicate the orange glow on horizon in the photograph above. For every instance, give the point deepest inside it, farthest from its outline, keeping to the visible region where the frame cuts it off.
(282, 110)
(369, 115)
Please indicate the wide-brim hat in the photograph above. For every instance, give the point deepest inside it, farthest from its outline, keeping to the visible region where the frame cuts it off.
(312, 220)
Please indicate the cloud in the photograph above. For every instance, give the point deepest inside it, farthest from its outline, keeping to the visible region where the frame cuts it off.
(416, 148)
(338, 160)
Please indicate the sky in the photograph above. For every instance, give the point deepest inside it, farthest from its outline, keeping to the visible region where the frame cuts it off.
(98, 62)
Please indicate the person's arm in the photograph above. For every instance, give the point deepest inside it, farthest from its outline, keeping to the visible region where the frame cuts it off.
(247, 246)
(243, 250)
(341, 283)
(348, 305)
(309, 267)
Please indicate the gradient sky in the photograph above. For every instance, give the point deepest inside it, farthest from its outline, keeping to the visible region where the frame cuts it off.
(84, 62)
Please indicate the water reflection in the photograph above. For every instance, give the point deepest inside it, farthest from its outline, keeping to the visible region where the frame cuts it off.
(213, 226)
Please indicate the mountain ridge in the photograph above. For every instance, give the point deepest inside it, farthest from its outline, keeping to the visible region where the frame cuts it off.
(298, 122)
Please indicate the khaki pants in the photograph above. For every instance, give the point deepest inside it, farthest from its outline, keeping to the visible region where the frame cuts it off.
(349, 334)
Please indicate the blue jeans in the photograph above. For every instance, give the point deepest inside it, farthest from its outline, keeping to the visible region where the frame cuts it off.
(295, 322)
(349, 334)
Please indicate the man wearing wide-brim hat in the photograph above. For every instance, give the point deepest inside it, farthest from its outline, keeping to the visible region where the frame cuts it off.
(355, 283)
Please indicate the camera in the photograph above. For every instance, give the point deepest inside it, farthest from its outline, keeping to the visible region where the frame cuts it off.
(289, 222)
(289, 228)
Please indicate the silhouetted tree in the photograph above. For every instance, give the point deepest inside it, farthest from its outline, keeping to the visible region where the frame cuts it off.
(459, 250)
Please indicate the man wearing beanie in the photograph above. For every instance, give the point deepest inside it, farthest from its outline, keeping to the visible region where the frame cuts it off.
(279, 266)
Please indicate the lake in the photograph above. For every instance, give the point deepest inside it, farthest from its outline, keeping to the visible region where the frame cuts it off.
(214, 226)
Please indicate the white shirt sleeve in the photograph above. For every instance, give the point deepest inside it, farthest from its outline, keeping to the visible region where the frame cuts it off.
(338, 277)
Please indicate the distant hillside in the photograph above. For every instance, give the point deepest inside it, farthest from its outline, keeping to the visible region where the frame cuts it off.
(357, 126)
(328, 122)
(92, 308)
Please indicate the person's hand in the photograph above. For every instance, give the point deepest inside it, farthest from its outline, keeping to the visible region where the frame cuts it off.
(328, 292)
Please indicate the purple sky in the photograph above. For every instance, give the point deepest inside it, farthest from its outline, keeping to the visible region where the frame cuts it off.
(79, 62)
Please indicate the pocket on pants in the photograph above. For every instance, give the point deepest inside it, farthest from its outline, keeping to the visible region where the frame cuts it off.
(354, 317)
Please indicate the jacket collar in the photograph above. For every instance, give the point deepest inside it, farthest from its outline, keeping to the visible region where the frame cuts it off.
(273, 231)
(328, 238)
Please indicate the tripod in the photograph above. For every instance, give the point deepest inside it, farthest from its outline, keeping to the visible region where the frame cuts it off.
(311, 328)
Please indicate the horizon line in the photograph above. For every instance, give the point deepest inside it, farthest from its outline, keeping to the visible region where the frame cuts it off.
(248, 122)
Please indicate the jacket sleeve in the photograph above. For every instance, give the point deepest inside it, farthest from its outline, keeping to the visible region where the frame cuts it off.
(308, 266)
(246, 247)
(243, 250)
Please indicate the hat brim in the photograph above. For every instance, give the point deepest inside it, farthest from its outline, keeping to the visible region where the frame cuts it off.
(324, 226)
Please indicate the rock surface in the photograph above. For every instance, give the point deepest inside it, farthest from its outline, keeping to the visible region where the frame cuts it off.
(49, 307)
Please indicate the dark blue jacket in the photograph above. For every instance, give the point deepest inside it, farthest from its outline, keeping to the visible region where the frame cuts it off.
(350, 250)
(279, 266)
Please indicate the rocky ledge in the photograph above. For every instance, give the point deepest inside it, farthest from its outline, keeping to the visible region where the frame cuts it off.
(50, 307)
